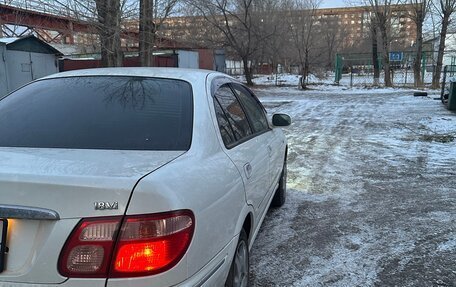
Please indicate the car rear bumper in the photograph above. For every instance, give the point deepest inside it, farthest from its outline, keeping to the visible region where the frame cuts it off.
(216, 271)
(213, 274)
(69, 283)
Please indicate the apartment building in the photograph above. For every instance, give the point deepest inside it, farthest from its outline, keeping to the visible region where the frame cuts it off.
(353, 22)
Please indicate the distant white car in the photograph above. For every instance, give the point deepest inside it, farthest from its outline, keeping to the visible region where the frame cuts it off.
(135, 177)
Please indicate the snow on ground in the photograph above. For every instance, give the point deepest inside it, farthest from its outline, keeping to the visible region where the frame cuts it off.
(335, 90)
(287, 79)
(289, 82)
(372, 192)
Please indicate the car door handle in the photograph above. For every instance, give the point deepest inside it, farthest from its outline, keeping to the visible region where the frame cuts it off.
(248, 170)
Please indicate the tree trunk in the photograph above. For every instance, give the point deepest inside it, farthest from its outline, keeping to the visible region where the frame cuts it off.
(330, 58)
(305, 70)
(375, 57)
(386, 62)
(146, 32)
(109, 31)
(247, 71)
(438, 68)
(419, 50)
(302, 81)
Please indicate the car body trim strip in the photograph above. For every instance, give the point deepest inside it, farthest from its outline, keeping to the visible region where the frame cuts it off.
(213, 271)
(27, 212)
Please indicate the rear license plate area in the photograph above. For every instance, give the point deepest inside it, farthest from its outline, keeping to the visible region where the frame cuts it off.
(3, 249)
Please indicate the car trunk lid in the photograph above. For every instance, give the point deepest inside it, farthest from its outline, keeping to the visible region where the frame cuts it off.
(45, 192)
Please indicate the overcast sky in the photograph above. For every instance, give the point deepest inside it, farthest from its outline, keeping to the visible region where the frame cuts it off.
(333, 3)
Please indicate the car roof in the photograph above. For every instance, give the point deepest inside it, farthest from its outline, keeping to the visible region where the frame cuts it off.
(189, 75)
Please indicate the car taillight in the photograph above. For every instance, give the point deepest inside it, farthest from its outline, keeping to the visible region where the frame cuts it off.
(143, 245)
(151, 244)
(87, 252)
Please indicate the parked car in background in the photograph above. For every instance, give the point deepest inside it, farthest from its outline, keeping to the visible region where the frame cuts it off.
(135, 177)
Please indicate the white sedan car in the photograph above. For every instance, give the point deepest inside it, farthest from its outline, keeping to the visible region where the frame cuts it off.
(135, 177)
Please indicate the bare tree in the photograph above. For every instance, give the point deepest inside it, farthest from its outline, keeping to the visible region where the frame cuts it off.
(146, 32)
(302, 33)
(237, 23)
(332, 38)
(109, 16)
(417, 13)
(104, 15)
(273, 31)
(111, 19)
(152, 13)
(445, 9)
(382, 20)
(374, 36)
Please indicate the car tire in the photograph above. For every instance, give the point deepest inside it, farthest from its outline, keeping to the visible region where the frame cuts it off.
(239, 270)
(281, 192)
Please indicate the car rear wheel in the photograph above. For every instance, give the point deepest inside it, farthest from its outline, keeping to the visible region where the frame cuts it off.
(281, 192)
(239, 271)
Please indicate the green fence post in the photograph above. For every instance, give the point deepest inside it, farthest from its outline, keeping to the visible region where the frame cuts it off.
(351, 77)
(406, 75)
(453, 65)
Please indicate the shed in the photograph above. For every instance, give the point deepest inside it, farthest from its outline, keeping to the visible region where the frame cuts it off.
(23, 60)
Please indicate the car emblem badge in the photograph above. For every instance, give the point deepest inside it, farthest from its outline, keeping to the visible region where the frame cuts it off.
(101, 205)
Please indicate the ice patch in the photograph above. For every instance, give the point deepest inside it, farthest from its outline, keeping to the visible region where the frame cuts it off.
(449, 245)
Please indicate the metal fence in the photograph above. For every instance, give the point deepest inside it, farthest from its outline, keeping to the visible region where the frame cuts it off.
(358, 70)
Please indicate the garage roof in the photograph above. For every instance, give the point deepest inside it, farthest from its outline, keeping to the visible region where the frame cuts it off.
(29, 44)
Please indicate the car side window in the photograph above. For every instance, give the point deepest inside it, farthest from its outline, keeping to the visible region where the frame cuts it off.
(253, 108)
(225, 128)
(233, 114)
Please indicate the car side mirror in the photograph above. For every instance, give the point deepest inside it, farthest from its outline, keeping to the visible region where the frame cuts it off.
(281, 120)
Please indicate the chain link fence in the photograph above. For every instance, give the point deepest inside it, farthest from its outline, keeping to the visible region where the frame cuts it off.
(358, 70)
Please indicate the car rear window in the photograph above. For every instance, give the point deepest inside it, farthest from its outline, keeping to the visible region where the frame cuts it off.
(122, 113)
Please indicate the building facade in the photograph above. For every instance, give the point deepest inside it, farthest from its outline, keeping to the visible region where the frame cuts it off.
(354, 22)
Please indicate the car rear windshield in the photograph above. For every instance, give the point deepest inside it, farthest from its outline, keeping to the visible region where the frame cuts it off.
(103, 112)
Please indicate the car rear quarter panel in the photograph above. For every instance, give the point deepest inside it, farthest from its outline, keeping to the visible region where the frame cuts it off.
(203, 180)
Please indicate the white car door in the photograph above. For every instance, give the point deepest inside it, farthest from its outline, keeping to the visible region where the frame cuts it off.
(272, 137)
(245, 147)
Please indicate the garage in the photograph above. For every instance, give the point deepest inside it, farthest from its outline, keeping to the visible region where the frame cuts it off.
(23, 60)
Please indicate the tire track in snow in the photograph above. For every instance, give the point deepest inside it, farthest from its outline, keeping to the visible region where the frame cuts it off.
(370, 206)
